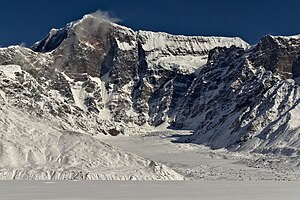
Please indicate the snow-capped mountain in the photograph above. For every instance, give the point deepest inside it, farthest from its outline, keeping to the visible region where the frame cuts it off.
(94, 73)
(94, 77)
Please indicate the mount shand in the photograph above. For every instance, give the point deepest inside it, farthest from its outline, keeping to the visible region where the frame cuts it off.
(93, 78)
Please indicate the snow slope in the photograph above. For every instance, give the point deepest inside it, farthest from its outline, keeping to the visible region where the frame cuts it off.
(34, 149)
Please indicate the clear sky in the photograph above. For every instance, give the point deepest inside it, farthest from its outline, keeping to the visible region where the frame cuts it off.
(30, 20)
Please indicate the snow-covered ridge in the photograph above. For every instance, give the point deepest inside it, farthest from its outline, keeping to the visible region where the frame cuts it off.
(160, 40)
(287, 36)
(186, 53)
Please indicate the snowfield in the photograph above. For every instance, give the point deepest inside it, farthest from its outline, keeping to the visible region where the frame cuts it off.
(146, 190)
(198, 162)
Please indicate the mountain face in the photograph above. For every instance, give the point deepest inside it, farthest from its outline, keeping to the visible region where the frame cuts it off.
(247, 99)
(96, 77)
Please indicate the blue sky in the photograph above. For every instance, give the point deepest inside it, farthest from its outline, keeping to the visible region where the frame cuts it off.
(30, 20)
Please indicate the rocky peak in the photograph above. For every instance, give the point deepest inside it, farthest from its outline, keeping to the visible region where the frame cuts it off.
(90, 29)
(279, 55)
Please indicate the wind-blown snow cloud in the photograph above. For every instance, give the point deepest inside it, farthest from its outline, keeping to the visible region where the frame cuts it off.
(106, 16)
(22, 44)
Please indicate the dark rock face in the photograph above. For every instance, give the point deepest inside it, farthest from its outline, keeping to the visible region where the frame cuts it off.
(279, 55)
(52, 41)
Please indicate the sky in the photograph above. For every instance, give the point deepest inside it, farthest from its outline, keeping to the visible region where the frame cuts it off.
(27, 21)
